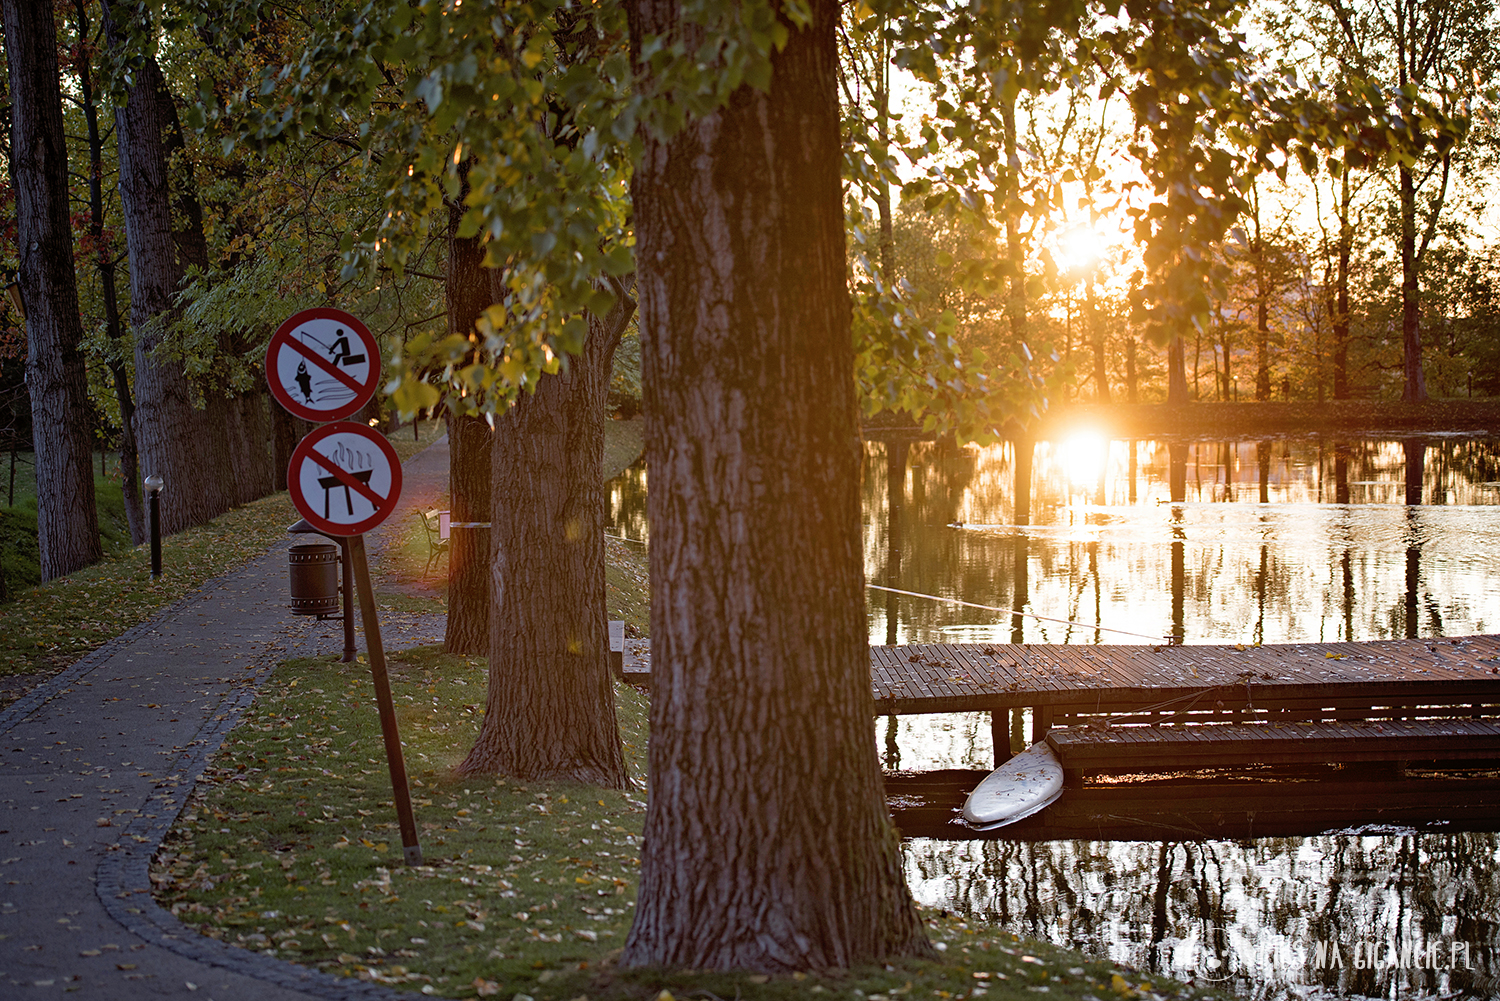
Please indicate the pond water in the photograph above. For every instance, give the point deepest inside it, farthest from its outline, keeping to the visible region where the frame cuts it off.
(1195, 542)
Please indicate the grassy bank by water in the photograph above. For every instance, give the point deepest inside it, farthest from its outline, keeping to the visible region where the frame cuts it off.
(289, 846)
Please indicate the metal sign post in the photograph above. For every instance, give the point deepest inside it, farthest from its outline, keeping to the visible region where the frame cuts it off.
(388, 729)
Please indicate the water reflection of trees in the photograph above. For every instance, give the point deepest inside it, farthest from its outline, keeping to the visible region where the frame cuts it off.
(1221, 567)
(1264, 915)
(627, 503)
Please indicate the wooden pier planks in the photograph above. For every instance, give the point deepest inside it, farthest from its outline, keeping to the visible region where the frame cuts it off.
(1083, 679)
(1167, 683)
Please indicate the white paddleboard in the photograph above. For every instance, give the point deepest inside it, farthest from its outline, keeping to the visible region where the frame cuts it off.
(1026, 784)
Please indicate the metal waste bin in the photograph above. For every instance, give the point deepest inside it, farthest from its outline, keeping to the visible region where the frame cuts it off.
(314, 569)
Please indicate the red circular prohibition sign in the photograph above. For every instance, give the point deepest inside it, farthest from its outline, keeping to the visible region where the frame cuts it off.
(322, 364)
(344, 478)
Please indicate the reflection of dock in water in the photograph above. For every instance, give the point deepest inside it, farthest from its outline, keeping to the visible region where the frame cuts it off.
(1267, 803)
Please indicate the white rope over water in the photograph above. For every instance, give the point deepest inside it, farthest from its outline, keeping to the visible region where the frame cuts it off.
(1011, 611)
(988, 608)
(622, 538)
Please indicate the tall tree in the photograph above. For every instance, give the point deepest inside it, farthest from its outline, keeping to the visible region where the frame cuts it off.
(104, 262)
(549, 634)
(768, 845)
(1423, 60)
(183, 444)
(67, 523)
(469, 292)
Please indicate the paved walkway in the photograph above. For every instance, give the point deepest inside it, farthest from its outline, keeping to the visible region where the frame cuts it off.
(96, 763)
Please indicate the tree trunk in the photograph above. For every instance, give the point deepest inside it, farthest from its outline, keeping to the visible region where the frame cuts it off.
(67, 522)
(768, 845)
(104, 259)
(1015, 246)
(470, 445)
(286, 431)
(470, 556)
(1414, 386)
(1177, 391)
(1262, 333)
(184, 445)
(1101, 356)
(249, 428)
(1341, 310)
(550, 710)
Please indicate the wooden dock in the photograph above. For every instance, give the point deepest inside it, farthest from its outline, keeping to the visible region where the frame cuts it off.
(1071, 685)
(1152, 690)
(1390, 679)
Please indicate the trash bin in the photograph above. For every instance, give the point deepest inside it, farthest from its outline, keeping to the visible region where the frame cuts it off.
(314, 569)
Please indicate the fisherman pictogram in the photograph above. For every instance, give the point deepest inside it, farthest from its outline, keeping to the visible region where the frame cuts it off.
(341, 352)
(323, 364)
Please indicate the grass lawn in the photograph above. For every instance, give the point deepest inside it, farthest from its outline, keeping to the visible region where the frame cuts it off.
(289, 846)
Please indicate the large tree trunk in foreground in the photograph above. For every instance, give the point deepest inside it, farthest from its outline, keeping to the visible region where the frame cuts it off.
(67, 523)
(768, 845)
(470, 442)
(186, 446)
(550, 710)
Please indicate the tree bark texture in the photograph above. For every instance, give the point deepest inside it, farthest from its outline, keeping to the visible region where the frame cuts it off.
(1015, 245)
(187, 446)
(469, 292)
(550, 709)
(104, 260)
(768, 845)
(1262, 324)
(470, 555)
(1414, 385)
(1177, 388)
(67, 522)
(1341, 282)
(249, 433)
(1100, 343)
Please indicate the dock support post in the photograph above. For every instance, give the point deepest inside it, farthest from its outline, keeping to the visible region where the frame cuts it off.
(1041, 722)
(1000, 735)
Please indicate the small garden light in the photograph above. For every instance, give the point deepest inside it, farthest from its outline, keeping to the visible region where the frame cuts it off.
(154, 485)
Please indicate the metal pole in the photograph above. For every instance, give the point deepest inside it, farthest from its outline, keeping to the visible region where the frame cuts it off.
(349, 651)
(155, 506)
(388, 730)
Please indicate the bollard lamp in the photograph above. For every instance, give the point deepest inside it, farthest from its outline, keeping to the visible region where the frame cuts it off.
(154, 485)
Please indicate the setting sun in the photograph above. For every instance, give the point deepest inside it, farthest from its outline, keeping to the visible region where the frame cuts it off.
(1083, 456)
